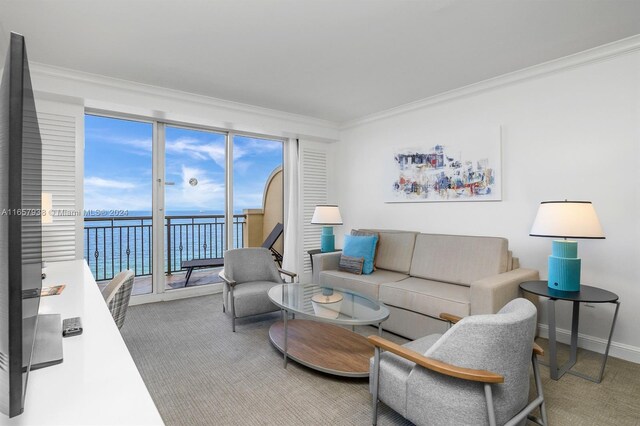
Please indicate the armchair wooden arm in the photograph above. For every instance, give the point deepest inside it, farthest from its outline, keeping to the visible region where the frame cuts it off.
(483, 376)
(537, 349)
(227, 280)
(450, 317)
(290, 274)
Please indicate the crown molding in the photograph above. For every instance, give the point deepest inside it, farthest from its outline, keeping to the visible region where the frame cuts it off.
(590, 56)
(59, 73)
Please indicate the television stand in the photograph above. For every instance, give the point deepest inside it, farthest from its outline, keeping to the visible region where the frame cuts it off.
(47, 347)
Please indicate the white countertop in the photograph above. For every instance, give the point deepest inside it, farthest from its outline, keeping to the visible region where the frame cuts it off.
(98, 382)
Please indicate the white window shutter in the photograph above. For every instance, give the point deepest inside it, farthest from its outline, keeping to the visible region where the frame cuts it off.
(313, 191)
(58, 133)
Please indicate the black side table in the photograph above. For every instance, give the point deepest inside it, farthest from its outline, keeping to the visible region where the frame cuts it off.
(586, 294)
(318, 251)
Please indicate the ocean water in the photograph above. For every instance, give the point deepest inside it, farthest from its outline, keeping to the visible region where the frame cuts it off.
(112, 244)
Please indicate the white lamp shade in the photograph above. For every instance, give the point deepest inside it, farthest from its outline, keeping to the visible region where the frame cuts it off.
(47, 206)
(566, 219)
(326, 214)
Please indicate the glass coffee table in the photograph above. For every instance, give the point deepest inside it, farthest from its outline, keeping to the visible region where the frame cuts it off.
(317, 338)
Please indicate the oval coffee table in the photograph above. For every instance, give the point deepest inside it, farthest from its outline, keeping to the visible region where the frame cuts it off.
(319, 341)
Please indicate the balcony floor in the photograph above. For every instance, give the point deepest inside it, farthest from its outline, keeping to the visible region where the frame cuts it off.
(142, 285)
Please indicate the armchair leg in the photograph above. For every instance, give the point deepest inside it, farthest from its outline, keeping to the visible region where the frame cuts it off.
(375, 384)
(536, 375)
(538, 402)
(489, 396)
(224, 299)
(233, 311)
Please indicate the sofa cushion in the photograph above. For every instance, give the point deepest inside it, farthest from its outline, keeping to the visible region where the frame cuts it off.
(252, 299)
(395, 250)
(458, 259)
(360, 233)
(361, 246)
(364, 284)
(350, 264)
(427, 297)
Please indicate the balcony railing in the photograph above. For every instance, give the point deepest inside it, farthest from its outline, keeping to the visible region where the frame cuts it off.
(116, 243)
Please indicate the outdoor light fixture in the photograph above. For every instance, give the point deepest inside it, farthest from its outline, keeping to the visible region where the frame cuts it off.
(566, 219)
(328, 215)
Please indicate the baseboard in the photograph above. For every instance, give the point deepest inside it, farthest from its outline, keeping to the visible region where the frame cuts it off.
(595, 344)
(179, 293)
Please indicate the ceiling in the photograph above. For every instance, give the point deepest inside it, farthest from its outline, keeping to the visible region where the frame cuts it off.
(331, 59)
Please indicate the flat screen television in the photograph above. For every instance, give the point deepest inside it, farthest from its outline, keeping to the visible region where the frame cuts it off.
(20, 227)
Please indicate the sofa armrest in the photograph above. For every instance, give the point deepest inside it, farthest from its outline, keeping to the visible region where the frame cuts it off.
(324, 262)
(489, 295)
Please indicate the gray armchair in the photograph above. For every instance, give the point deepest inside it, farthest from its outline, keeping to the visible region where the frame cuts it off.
(248, 275)
(476, 373)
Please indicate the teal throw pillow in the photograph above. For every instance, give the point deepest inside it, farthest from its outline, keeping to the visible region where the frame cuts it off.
(361, 246)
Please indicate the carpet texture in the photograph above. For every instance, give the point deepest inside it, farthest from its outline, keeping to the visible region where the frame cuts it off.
(200, 373)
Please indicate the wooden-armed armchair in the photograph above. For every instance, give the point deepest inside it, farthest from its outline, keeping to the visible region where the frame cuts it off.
(248, 275)
(476, 373)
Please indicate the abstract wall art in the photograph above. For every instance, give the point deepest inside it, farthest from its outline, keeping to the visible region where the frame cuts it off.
(450, 168)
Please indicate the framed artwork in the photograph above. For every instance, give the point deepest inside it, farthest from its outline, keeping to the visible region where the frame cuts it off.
(456, 167)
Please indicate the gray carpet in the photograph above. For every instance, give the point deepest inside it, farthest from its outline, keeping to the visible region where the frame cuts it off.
(200, 373)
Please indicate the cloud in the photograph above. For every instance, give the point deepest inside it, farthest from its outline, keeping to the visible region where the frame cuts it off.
(110, 136)
(207, 194)
(109, 199)
(247, 200)
(250, 146)
(138, 146)
(107, 194)
(98, 182)
(242, 167)
(198, 150)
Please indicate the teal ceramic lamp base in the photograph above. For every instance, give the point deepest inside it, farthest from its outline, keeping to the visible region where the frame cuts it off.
(564, 266)
(327, 240)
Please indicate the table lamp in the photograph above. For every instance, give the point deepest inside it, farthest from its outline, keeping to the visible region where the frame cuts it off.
(327, 215)
(566, 219)
(47, 207)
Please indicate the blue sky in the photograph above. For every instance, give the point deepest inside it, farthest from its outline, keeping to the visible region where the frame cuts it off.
(118, 164)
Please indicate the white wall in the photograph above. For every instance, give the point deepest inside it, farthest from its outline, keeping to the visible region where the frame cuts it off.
(573, 133)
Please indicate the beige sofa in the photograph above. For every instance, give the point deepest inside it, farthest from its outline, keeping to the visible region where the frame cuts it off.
(419, 276)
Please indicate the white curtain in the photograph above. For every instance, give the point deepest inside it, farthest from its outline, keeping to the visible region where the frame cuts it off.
(291, 256)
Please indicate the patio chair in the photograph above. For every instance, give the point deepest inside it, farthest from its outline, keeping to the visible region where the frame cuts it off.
(476, 373)
(117, 295)
(248, 275)
(270, 241)
(192, 264)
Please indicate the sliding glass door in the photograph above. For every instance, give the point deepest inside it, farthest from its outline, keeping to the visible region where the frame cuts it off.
(194, 206)
(118, 229)
(167, 200)
(257, 189)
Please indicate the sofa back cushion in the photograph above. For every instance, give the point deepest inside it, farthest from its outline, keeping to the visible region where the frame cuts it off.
(395, 250)
(458, 259)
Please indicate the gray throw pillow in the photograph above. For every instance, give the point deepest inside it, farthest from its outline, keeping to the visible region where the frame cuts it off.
(351, 264)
